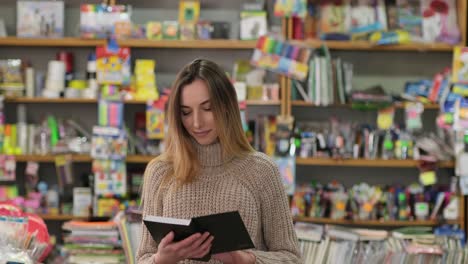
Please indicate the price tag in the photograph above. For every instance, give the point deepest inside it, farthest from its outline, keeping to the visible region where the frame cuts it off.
(428, 178)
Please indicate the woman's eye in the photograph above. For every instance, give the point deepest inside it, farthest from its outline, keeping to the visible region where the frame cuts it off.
(185, 113)
(207, 108)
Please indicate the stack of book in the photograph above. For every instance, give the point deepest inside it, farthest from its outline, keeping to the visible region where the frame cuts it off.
(96, 242)
(336, 244)
(329, 80)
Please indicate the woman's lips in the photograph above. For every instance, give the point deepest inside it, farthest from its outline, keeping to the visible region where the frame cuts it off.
(201, 133)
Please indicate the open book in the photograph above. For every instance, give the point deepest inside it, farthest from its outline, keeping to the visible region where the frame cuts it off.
(228, 230)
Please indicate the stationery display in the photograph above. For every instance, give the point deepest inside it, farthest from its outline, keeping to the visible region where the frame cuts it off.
(460, 65)
(24, 237)
(100, 20)
(290, 8)
(40, 19)
(145, 80)
(7, 168)
(110, 113)
(113, 64)
(108, 143)
(11, 79)
(253, 24)
(366, 202)
(82, 201)
(348, 140)
(189, 13)
(379, 22)
(155, 118)
(110, 177)
(281, 57)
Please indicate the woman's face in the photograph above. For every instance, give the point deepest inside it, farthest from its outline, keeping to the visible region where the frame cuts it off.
(196, 113)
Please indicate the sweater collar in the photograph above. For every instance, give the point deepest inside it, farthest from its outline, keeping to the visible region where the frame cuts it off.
(210, 155)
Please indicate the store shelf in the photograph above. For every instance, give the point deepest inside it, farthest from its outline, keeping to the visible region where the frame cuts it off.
(426, 106)
(139, 159)
(60, 217)
(50, 42)
(309, 104)
(50, 158)
(189, 44)
(388, 223)
(79, 158)
(262, 102)
(367, 46)
(40, 100)
(366, 163)
(133, 43)
(397, 105)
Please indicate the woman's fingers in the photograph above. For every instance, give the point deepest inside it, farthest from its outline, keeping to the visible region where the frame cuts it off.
(196, 244)
(204, 248)
(166, 240)
(183, 247)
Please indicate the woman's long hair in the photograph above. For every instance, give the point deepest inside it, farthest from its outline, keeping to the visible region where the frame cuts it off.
(180, 152)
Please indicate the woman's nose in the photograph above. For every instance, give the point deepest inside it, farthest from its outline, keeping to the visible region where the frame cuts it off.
(197, 122)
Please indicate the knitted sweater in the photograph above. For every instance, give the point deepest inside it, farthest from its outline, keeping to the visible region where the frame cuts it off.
(252, 185)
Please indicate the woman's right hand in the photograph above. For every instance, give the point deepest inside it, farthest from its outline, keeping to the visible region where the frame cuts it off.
(194, 246)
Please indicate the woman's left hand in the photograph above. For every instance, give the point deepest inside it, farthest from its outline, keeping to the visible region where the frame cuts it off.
(235, 257)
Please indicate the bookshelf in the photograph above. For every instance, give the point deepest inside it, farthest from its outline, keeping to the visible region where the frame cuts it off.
(60, 217)
(462, 20)
(39, 100)
(366, 163)
(47, 42)
(376, 223)
(368, 52)
(367, 46)
(399, 105)
(389, 223)
(132, 43)
(136, 159)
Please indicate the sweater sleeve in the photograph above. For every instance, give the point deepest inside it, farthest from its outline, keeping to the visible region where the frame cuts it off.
(277, 225)
(152, 205)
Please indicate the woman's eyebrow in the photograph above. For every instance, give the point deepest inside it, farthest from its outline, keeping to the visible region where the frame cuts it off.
(204, 102)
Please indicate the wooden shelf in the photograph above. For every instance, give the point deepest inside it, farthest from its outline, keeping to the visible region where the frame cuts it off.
(302, 103)
(60, 217)
(426, 106)
(262, 102)
(309, 104)
(139, 159)
(79, 158)
(50, 158)
(388, 223)
(367, 46)
(189, 44)
(50, 42)
(132, 43)
(366, 163)
(41, 100)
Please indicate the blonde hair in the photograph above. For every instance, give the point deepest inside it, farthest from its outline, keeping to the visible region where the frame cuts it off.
(180, 152)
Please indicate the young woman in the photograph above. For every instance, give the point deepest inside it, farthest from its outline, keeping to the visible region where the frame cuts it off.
(209, 167)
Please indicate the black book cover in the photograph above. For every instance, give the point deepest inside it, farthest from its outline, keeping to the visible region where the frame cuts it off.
(228, 230)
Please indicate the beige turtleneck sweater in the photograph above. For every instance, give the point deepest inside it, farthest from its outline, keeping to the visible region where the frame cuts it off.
(252, 185)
